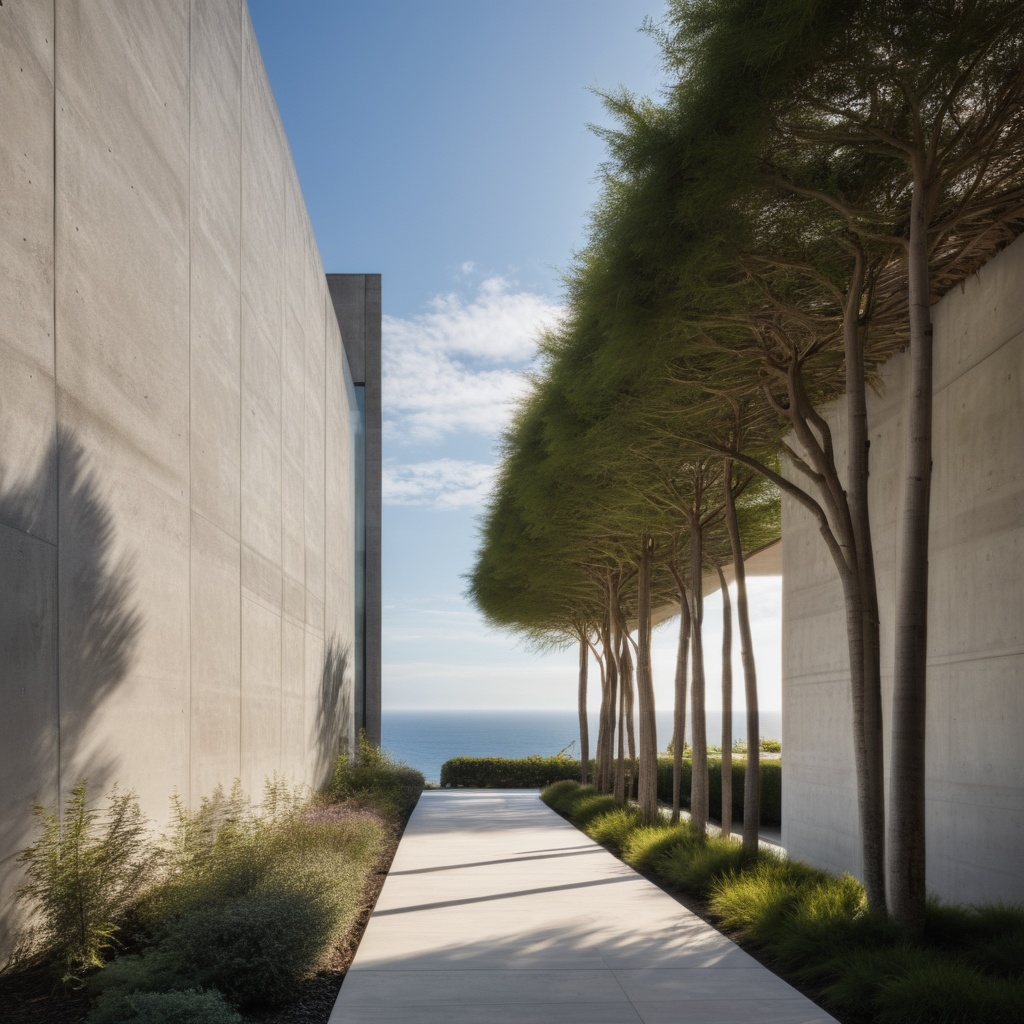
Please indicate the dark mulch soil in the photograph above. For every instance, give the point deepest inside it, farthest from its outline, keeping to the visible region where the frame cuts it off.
(27, 997)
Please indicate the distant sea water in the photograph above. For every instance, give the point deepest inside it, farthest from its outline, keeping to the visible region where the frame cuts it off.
(426, 739)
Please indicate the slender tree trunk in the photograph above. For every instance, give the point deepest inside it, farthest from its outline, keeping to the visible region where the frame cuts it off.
(627, 676)
(752, 775)
(698, 728)
(842, 539)
(907, 782)
(581, 707)
(679, 710)
(625, 672)
(726, 705)
(647, 789)
(605, 740)
(871, 790)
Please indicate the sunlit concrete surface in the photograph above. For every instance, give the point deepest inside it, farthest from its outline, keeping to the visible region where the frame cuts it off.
(497, 910)
(177, 475)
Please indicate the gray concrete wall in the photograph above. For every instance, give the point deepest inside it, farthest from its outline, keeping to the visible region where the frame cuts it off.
(176, 473)
(357, 303)
(975, 761)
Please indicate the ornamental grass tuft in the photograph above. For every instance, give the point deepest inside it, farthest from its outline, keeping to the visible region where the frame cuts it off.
(614, 828)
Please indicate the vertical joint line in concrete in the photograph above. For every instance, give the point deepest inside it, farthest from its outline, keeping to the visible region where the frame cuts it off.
(188, 87)
(282, 344)
(241, 359)
(56, 412)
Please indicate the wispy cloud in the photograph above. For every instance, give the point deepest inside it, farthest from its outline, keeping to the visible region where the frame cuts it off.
(438, 483)
(458, 366)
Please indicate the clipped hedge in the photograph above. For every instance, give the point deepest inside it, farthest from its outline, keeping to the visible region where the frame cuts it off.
(538, 772)
(506, 772)
(771, 787)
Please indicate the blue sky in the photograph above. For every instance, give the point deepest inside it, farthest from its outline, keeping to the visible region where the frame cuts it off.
(445, 145)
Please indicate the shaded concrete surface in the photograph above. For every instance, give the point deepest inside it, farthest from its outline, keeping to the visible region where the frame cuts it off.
(497, 910)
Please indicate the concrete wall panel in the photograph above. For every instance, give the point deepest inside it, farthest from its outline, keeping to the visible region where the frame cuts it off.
(293, 700)
(164, 397)
(27, 402)
(316, 465)
(122, 325)
(974, 764)
(296, 269)
(216, 645)
(29, 738)
(215, 240)
(261, 695)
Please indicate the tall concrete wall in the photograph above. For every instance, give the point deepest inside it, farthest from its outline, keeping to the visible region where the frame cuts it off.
(357, 303)
(176, 471)
(975, 759)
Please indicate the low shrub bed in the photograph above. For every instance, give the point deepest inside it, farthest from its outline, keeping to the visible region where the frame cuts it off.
(771, 787)
(233, 910)
(813, 928)
(507, 772)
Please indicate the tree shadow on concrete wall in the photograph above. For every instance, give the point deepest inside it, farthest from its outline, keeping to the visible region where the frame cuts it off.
(67, 639)
(334, 708)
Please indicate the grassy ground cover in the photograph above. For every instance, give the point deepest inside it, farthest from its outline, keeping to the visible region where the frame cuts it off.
(813, 928)
(225, 919)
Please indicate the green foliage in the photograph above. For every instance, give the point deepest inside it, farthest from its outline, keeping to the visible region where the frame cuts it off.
(613, 829)
(255, 948)
(644, 847)
(905, 984)
(507, 773)
(374, 778)
(260, 909)
(758, 902)
(696, 866)
(187, 1007)
(771, 787)
(589, 807)
(949, 992)
(562, 796)
(84, 875)
(769, 746)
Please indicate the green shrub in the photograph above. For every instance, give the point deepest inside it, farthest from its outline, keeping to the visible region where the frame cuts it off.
(695, 867)
(260, 913)
(590, 807)
(255, 949)
(759, 901)
(770, 746)
(646, 845)
(771, 787)
(187, 1007)
(613, 829)
(373, 777)
(950, 992)
(561, 796)
(507, 773)
(84, 875)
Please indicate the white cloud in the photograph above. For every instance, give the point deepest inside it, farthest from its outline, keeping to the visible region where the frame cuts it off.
(459, 366)
(438, 483)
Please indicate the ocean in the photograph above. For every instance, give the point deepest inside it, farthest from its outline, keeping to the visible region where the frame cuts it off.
(426, 739)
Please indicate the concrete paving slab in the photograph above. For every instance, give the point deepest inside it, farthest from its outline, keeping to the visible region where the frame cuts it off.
(497, 910)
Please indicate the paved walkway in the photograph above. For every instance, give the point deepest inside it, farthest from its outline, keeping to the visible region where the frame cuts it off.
(497, 911)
